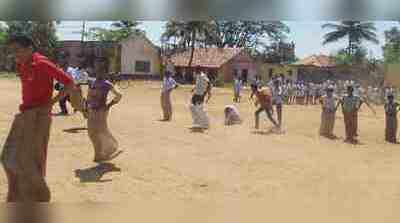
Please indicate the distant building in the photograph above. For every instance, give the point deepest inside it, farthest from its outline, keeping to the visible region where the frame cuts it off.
(316, 68)
(268, 70)
(135, 56)
(140, 57)
(80, 53)
(223, 63)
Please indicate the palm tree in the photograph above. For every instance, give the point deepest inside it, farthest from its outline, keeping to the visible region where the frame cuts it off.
(127, 27)
(355, 31)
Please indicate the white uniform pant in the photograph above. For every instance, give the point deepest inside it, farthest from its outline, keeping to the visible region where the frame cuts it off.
(199, 116)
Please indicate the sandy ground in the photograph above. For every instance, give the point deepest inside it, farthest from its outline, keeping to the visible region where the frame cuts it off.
(298, 171)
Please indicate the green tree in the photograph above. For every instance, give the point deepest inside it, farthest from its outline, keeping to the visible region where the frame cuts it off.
(391, 49)
(358, 57)
(43, 34)
(354, 31)
(247, 34)
(3, 34)
(188, 35)
(119, 30)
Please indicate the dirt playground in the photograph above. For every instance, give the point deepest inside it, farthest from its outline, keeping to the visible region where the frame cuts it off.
(164, 161)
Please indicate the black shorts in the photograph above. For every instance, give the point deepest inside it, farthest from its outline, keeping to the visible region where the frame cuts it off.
(198, 99)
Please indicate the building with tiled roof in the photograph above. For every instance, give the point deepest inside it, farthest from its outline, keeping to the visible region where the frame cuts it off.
(316, 68)
(218, 62)
(321, 61)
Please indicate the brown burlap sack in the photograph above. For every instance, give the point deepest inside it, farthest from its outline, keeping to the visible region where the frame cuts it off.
(391, 129)
(104, 143)
(9, 153)
(25, 153)
(166, 105)
(77, 100)
(327, 123)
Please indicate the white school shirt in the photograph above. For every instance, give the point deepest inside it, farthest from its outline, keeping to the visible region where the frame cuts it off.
(201, 84)
(277, 95)
(237, 85)
(329, 103)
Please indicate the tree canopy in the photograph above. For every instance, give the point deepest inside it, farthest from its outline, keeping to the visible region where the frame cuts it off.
(391, 49)
(43, 34)
(119, 30)
(354, 31)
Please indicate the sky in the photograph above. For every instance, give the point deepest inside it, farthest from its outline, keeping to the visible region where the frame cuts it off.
(307, 35)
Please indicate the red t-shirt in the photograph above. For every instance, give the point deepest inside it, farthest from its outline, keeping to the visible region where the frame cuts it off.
(37, 81)
(265, 100)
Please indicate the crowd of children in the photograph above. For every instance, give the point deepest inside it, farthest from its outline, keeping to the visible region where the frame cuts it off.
(310, 93)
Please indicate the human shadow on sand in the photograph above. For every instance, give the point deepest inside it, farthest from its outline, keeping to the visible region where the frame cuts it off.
(197, 130)
(75, 130)
(357, 143)
(95, 174)
(331, 137)
(263, 132)
(268, 132)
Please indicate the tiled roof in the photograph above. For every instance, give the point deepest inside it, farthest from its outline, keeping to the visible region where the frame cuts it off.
(317, 61)
(206, 57)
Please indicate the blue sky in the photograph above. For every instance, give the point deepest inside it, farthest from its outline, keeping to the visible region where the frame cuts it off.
(307, 35)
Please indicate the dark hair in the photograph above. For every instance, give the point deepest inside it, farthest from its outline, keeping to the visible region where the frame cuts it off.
(22, 40)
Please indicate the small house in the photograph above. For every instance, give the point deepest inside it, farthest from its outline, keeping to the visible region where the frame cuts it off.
(140, 57)
(268, 70)
(316, 68)
(221, 63)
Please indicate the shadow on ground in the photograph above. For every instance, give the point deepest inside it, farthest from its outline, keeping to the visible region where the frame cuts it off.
(75, 130)
(95, 174)
(271, 131)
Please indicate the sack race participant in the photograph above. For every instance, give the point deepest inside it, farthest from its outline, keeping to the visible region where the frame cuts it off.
(169, 84)
(277, 100)
(104, 143)
(391, 110)
(200, 91)
(264, 101)
(232, 116)
(328, 115)
(24, 154)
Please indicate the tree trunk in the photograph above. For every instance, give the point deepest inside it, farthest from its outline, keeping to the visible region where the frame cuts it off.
(350, 53)
(192, 52)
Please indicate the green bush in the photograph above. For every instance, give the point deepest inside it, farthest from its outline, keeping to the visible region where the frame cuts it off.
(220, 82)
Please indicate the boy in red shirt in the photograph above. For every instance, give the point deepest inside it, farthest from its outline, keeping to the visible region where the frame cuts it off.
(25, 151)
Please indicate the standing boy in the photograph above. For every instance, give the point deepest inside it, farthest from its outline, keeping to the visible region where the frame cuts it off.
(391, 109)
(201, 89)
(25, 151)
(168, 85)
(277, 100)
(237, 87)
(328, 115)
(350, 106)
